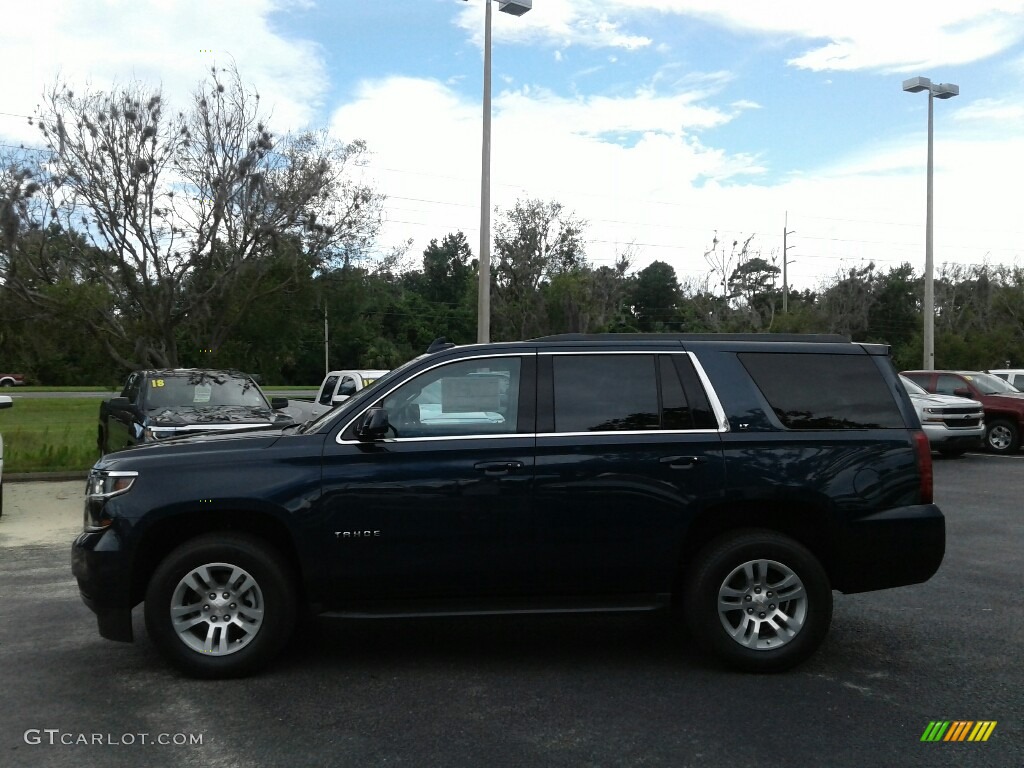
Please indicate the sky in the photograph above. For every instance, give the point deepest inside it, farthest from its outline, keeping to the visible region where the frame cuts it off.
(660, 123)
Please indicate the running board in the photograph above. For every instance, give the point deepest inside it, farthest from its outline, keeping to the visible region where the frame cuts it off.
(498, 608)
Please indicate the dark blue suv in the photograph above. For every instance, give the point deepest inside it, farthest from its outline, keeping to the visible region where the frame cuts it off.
(740, 479)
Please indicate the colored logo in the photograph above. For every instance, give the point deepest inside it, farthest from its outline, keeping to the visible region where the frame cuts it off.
(958, 730)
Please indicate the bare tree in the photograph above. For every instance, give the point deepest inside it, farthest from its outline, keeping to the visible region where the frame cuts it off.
(185, 213)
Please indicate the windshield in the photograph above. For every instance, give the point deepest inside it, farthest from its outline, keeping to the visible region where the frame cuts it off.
(912, 387)
(202, 389)
(361, 396)
(991, 385)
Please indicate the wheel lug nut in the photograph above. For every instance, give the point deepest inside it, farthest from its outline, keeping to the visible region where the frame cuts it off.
(226, 617)
(213, 596)
(747, 598)
(761, 615)
(769, 594)
(206, 607)
(750, 610)
(772, 606)
(213, 619)
(757, 590)
(233, 606)
(227, 595)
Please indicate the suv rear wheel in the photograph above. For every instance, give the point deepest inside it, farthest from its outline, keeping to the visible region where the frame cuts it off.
(1002, 436)
(220, 605)
(758, 600)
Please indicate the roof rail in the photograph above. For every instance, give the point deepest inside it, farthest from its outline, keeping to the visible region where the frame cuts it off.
(780, 337)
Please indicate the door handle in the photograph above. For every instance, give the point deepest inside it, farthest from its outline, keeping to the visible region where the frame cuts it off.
(498, 467)
(682, 462)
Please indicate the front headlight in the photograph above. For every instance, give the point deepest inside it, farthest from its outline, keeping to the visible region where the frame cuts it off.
(105, 484)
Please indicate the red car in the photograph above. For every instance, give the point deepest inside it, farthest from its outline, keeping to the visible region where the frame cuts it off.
(1003, 403)
(12, 379)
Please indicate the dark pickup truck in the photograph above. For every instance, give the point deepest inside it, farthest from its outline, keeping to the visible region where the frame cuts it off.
(158, 404)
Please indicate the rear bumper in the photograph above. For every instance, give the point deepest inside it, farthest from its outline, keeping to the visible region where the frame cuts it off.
(100, 569)
(893, 548)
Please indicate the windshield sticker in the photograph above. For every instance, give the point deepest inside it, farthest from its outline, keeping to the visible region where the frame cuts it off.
(203, 392)
(156, 383)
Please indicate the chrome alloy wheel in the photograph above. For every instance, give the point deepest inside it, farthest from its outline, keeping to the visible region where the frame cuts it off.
(1000, 437)
(217, 609)
(762, 604)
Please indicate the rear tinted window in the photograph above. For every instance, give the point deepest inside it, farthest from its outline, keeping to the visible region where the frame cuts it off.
(814, 391)
(603, 393)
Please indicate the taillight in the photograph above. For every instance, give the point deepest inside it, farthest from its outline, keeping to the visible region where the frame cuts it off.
(924, 465)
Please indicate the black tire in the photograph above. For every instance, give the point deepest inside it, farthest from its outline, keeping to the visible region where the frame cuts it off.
(1002, 436)
(248, 643)
(952, 453)
(717, 572)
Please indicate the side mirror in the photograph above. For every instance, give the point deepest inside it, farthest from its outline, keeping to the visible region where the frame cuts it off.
(338, 400)
(962, 392)
(374, 425)
(278, 403)
(119, 402)
(6, 401)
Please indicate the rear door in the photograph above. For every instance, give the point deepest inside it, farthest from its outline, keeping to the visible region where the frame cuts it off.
(628, 449)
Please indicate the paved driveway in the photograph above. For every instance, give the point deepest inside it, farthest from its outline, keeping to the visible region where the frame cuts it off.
(529, 692)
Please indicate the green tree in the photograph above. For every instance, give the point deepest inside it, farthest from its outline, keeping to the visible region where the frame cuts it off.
(533, 242)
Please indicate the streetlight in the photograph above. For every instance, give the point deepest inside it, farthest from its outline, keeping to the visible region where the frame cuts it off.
(935, 91)
(483, 311)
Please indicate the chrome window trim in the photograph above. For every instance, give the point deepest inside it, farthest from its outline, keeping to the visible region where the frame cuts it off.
(716, 405)
(343, 430)
(613, 433)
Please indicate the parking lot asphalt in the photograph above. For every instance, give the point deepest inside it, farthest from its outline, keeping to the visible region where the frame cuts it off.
(595, 691)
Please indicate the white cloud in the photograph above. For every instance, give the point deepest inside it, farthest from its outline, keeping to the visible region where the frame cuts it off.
(106, 41)
(668, 191)
(1004, 112)
(868, 35)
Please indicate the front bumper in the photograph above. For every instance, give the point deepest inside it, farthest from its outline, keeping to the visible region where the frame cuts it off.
(101, 569)
(893, 548)
(941, 436)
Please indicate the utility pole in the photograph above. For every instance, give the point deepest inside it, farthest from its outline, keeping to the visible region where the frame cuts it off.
(327, 363)
(785, 261)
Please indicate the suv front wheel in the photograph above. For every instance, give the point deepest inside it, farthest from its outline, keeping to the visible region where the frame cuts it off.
(758, 600)
(220, 605)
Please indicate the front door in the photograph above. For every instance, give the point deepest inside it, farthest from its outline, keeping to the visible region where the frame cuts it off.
(439, 508)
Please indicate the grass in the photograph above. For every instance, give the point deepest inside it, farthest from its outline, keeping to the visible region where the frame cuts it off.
(50, 434)
(69, 388)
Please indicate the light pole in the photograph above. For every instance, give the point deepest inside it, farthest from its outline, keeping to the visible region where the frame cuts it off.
(483, 311)
(935, 91)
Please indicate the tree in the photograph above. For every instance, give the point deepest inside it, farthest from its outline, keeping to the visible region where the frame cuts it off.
(533, 242)
(655, 297)
(186, 213)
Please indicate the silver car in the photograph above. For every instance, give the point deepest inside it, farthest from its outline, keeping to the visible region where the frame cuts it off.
(953, 424)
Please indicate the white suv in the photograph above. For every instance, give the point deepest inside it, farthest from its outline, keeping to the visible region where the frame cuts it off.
(953, 424)
(1012, 376)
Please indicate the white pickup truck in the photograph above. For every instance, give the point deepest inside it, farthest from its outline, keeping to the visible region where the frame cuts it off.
(339, 386)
